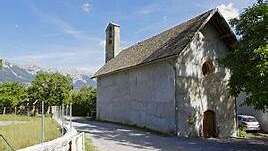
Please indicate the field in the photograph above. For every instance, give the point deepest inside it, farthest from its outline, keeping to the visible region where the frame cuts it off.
(23, 131)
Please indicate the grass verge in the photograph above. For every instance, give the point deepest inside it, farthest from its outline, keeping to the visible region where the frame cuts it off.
(28, 133)
(88, 145)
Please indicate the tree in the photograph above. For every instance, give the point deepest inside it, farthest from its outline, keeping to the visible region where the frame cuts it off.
(84, 101)
(12, 94)
(53, 88)
(248, 62)
(1, 63)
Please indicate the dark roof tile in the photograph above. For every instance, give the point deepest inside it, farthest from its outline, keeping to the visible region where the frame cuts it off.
(168, 43)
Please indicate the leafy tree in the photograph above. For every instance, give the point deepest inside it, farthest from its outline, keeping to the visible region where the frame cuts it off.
(248, 62)
(53, 88)
(12, 94)
(1, 63)
(84, 101)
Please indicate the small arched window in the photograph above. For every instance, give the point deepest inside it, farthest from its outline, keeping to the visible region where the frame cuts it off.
(208, 68)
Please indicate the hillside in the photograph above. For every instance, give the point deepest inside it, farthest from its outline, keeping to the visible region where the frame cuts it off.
(25, 74)
(12, 72)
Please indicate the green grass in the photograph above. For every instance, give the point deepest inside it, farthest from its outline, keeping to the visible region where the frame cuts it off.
(22, 135)
(88, 145)
(12, 117)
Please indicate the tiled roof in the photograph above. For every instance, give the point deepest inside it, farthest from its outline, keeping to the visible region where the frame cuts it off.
(166, 44)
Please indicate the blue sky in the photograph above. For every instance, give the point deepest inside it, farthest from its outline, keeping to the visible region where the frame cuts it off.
(69, 34)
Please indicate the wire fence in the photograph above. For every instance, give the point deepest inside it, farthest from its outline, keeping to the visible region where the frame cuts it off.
(42, 114)
(70, 139)
(21, 110)
(32, 110)
(63, 114)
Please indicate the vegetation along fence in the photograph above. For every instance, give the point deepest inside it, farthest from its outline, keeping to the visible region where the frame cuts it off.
(71, 140)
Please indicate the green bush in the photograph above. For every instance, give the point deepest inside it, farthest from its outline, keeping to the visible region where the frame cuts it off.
(12, 94)
(84, 102)
(242, 132)
(53, 88)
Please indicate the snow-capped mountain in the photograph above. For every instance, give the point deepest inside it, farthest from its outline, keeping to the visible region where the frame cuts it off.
(80, 80)
(32, 69)
(12, 72)
(25, 74)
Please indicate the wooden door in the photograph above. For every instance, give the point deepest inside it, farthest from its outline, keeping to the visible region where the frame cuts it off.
(209, 124)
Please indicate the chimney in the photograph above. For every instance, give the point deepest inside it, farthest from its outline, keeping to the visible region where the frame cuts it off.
(112, 47)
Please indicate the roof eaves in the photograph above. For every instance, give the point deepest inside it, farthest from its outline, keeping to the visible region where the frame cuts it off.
(138, 65)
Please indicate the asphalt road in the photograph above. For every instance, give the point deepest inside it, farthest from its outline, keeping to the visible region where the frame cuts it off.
(114, 137)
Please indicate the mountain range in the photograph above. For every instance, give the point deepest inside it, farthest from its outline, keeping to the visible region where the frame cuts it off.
(25, 74)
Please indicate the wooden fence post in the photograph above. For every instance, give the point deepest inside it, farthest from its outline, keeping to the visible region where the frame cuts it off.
(42, 122)
(28, 111)
(70, 115)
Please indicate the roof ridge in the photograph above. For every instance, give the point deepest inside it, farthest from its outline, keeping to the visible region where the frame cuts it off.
(170, 28)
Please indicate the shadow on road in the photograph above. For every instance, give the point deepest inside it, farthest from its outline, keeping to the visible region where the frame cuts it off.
(137, 139)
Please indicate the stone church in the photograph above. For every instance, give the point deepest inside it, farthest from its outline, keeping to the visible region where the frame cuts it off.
(171, 82)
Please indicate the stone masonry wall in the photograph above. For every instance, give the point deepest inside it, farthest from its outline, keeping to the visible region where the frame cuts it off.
(196, 93)
(143, 97)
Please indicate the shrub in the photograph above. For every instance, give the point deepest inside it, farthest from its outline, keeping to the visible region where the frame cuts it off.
(12, 94)
(84, 102)
(53, 88)
(242, 132)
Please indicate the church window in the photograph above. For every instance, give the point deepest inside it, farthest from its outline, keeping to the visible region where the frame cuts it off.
(207, 68)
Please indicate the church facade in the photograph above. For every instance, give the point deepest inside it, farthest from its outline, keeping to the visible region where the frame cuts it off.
(172, 82)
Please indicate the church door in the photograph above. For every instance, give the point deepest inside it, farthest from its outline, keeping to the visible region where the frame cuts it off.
(209, 124)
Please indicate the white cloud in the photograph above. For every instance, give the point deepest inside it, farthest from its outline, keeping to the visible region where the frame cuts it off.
(86, 7)
(64, 26)
(102, 43)
(37, 57)
(148, 9)
(86, 54)
(63, 59)
(228, 11)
